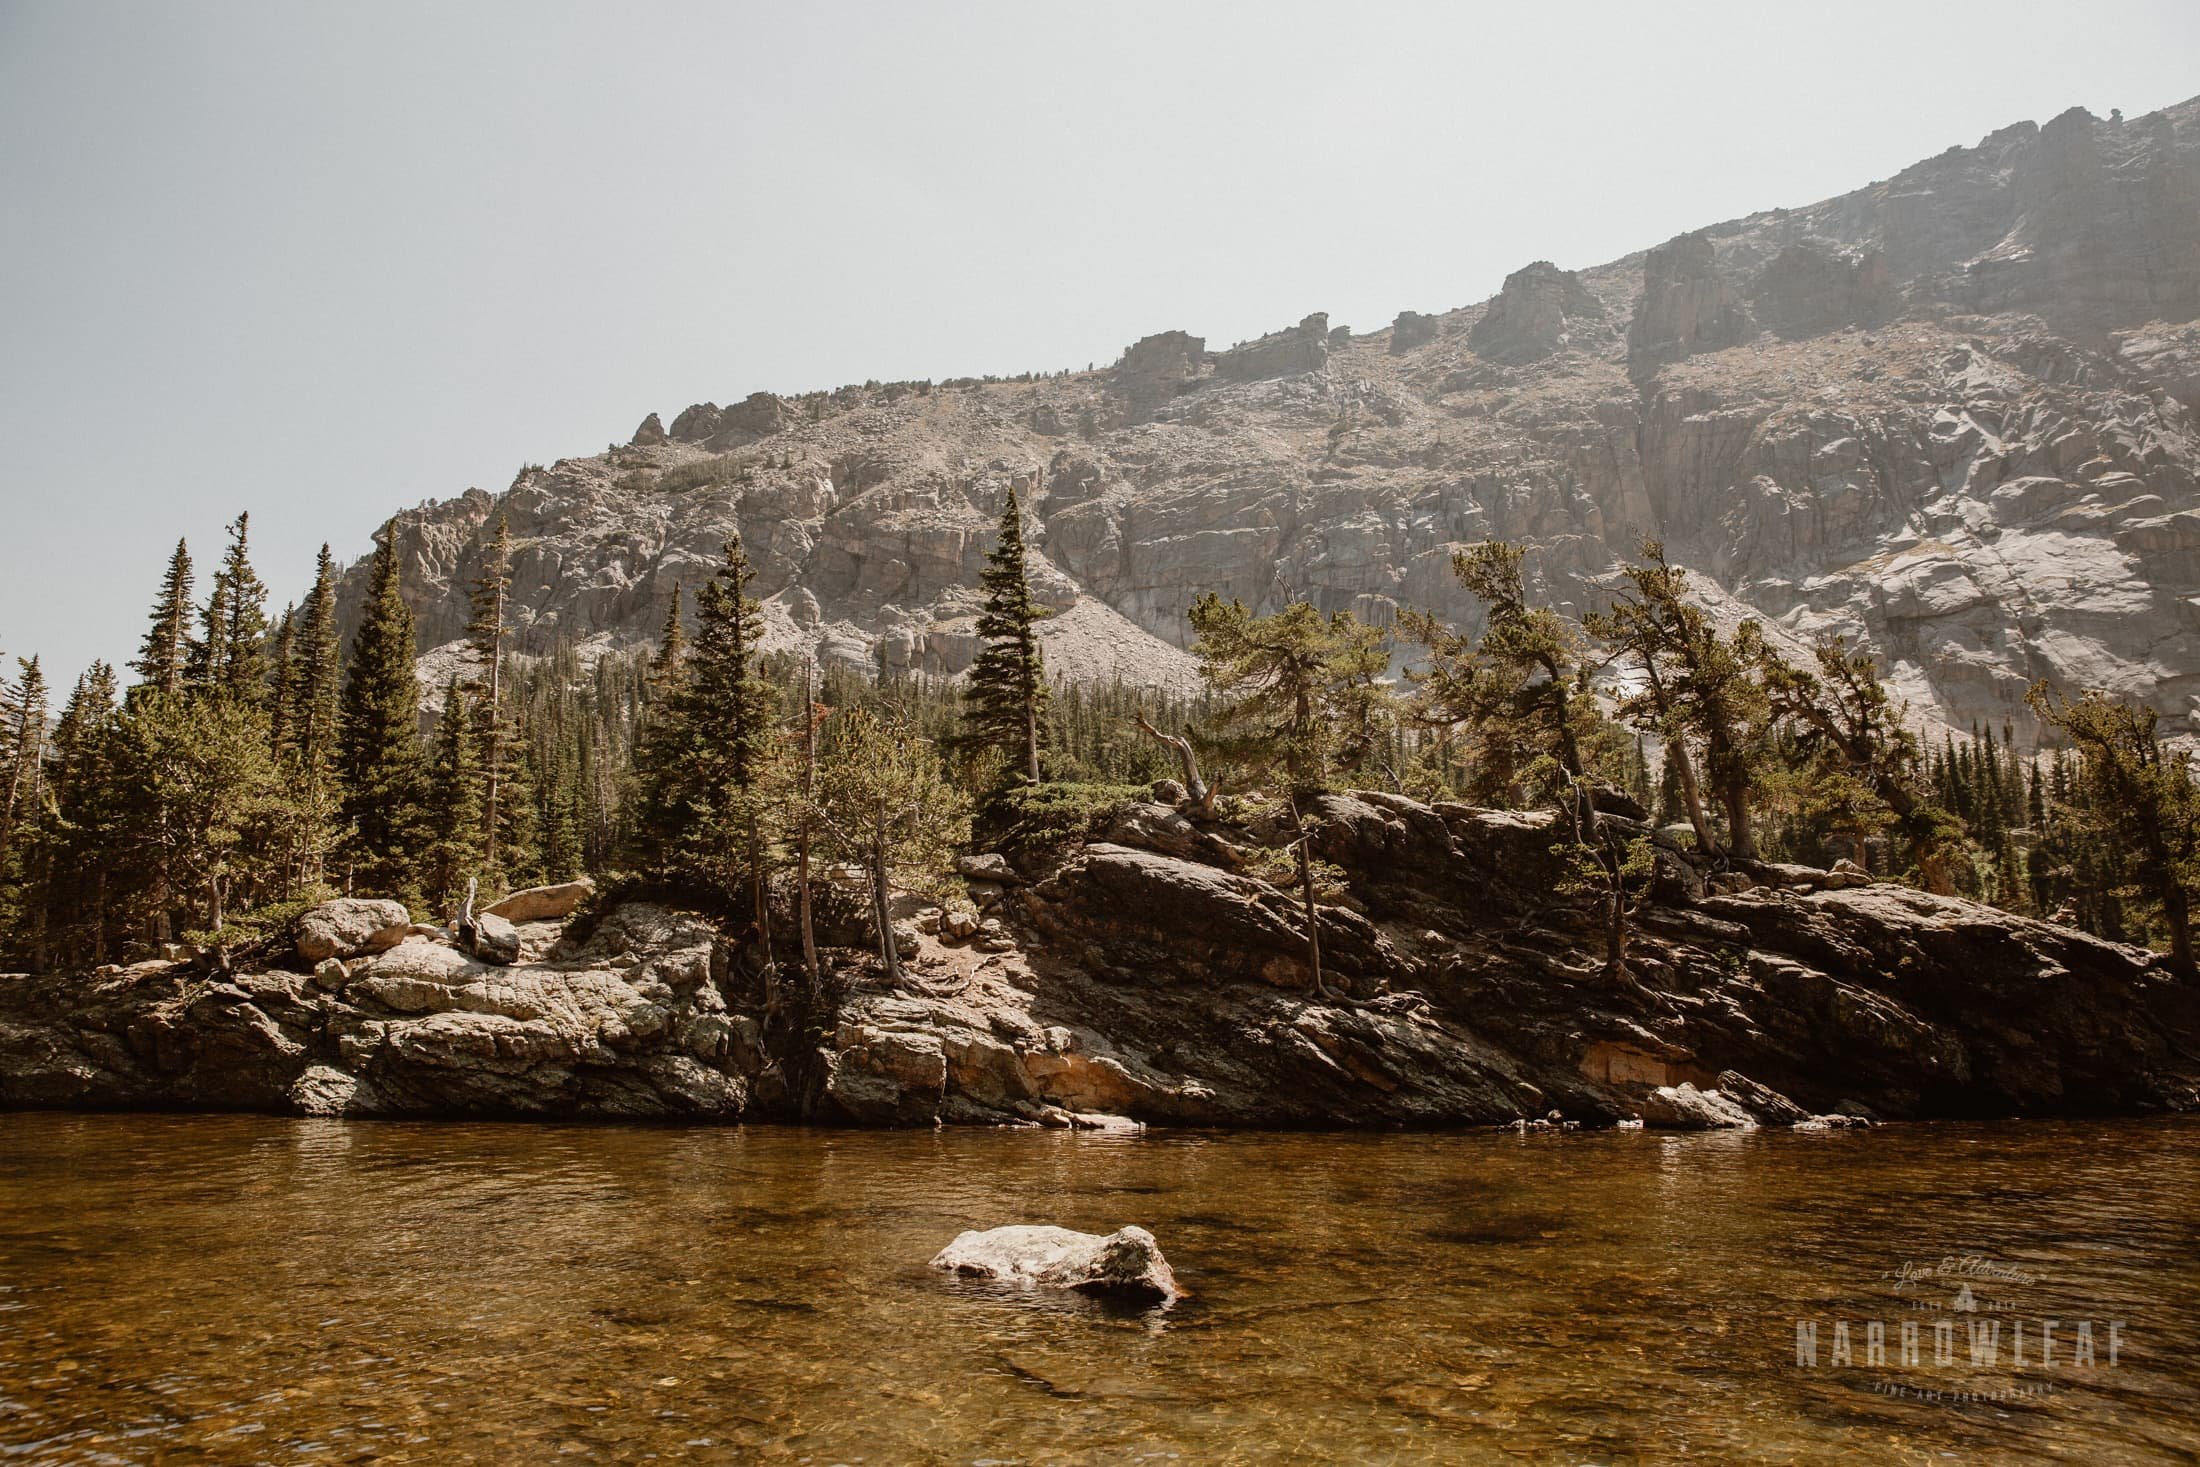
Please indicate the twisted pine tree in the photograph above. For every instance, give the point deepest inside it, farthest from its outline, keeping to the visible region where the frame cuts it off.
(1007, 692)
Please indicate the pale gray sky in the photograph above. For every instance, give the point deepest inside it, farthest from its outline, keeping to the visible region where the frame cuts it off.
(322, 261)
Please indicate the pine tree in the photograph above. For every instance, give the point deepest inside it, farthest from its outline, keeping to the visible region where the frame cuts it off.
(313, 696)
(453, 804)
(1006, 695)
(165, 657)
(205, 795)
(888, 806)
(1300, 685)
(1701, 686)
(378, 744)
(236, 624)
(75, 864)
(2143, 802)
(485, 635)
(278, 683)
(26, 755)
(709, 739)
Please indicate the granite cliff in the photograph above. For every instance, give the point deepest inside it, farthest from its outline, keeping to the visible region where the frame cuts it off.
(1950, 414)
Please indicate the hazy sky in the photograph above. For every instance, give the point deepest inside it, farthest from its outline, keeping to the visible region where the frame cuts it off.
(323, 261)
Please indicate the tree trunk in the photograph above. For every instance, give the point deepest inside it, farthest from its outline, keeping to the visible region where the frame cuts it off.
(1734, 795)
(802, 850)
(1615, 931)
(882, 902)
(759, 894)
(2177, 915)
(1201, 794)
(1031, 731)
(1313, 918)
(1306, 896)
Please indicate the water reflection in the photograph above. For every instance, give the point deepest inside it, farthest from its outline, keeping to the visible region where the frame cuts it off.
(236, 1289)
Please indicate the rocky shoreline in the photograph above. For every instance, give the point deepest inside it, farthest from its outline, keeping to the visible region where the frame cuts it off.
(1144, 978)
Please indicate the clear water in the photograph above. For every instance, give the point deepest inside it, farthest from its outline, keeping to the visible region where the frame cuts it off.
(219, 1289)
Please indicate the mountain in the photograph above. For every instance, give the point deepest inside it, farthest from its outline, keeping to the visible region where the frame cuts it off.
(1951, 415)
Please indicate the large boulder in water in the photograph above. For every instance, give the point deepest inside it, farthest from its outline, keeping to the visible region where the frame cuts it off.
(351, 926)
(1126, 1264)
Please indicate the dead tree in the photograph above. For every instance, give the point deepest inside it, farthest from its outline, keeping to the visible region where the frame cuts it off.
(1202, 795)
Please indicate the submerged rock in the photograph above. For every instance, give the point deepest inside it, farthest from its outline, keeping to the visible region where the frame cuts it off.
(1125, 1264)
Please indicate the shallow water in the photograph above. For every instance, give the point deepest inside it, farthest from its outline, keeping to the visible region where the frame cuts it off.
(228, 1289)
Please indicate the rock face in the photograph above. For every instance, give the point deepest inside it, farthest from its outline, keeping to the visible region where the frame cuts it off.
(1537, 313)
(1149, 979)
(350, 926)
(1687, 307)
(1951, 416)
(1126, 1264)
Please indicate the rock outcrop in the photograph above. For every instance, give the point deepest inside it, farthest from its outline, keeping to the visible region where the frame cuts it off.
(1688, 306)
(1950, 416)
(1301, 348)
(1538, 312)
(1150, 979)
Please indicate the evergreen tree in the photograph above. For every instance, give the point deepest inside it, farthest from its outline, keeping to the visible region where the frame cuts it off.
(313, 698)
(236, 624)
(1524, 695)
(1701, 686)
(1005, 699)
(453, 804)
(165, 657)
(708, 741)
(485, 635)
(1299, 685)
(278, 683)
(204, 796)
(25, 755)
(378, 742)
(889, 808)
(75, 864)
(2143, 801)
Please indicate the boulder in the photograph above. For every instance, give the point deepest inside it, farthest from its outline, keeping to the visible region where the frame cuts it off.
(650, 434)
(351, 927)
(989, 866)
(1683, 1107)
(1845, 874)
(1126, 1264)
(958, 923)
(495, 939)
(543, 903)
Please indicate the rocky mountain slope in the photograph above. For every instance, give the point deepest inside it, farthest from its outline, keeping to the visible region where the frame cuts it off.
(1143, 975)
(1951, 414)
